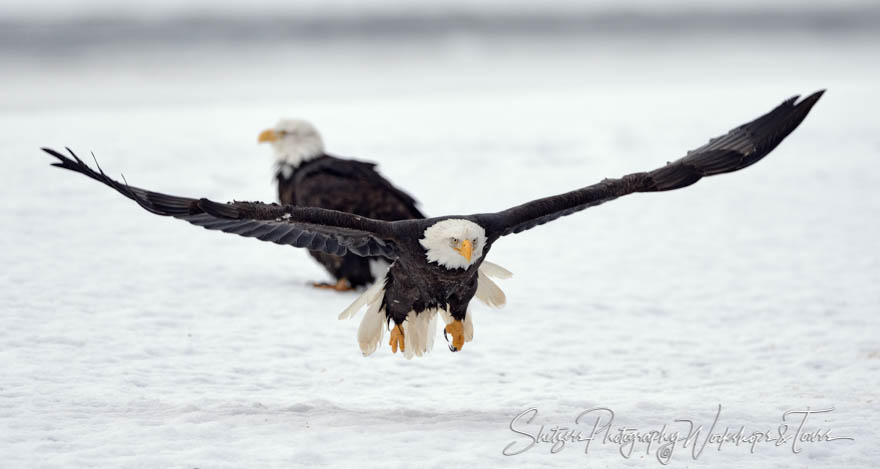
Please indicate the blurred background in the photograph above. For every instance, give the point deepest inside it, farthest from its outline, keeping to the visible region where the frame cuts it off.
(429, 79)
(97, 52)
(129, 337)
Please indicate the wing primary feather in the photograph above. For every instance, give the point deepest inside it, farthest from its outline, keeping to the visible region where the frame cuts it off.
(218, 210)
(741, 147)
(325, 230)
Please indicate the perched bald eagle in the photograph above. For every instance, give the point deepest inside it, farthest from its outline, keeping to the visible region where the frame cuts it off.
(438, 264)
(309, 177)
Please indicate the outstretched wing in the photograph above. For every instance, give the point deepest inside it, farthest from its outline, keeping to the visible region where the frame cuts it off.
(741, 147)
(313, 228)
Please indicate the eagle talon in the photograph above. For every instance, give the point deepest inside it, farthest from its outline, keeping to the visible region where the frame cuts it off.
(340, 285)
(397, 338)
(451, 348)
(456, 329)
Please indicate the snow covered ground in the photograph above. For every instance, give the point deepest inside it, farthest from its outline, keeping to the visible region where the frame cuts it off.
(128, 340)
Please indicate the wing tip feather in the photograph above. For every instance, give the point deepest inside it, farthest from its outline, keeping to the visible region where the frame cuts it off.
(807, 103)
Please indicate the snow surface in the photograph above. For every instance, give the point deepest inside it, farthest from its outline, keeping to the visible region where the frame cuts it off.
(134, 341)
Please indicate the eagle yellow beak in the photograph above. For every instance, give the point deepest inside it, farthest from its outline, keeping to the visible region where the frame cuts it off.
(466, 249)
(267, 135)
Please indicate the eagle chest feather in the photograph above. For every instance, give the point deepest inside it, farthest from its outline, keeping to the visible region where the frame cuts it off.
(418, 286)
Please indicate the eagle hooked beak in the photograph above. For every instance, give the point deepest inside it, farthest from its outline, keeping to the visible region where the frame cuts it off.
(267, 135)
(466, 249)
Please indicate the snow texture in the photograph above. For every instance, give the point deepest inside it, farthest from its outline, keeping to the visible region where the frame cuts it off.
(129, 340)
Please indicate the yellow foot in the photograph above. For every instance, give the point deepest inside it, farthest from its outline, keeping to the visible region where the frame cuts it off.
(340, 285)
(456, 330)
(396, 338)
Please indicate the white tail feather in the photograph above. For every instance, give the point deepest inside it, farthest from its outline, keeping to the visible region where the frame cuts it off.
(370, 296)
(372, 326)
(469, 326)
(494, 270)
(488, 292)
(372, 329)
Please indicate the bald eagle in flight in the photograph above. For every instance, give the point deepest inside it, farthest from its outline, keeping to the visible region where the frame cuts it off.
(438, 264)
(309, 177)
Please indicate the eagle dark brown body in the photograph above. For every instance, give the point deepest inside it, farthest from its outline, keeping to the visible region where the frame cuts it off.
(347, 186)
(413, 285)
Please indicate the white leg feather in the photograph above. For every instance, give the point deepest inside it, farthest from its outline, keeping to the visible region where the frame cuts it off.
(419, 331)
(410, 339)
(444, 314)
(431, 332)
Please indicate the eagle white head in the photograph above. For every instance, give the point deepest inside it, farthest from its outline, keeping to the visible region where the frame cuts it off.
(454, 243)
(294, 141)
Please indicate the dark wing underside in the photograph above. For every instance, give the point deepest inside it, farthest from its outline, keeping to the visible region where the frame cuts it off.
(741, 147)
(317, 229)
(351, 186)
